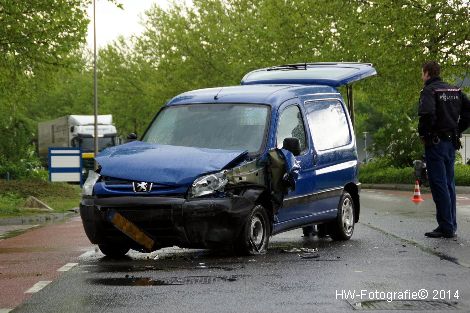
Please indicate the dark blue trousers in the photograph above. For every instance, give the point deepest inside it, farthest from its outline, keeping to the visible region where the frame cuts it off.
(440, 160)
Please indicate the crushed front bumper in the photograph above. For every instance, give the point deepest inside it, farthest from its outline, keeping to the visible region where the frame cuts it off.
(169, 221)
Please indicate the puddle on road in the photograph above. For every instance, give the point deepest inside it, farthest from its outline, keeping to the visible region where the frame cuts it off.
(113, 268)
(172, 281)
(161, 266)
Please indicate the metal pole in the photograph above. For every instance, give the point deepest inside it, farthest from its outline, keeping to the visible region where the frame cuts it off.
(95, 85)
(365, 146)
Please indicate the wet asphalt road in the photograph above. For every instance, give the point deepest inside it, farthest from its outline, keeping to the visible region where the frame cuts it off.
(388, 253)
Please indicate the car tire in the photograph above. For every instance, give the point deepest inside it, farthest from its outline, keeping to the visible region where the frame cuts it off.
(113, 251)
(343, 228)
(254, 237)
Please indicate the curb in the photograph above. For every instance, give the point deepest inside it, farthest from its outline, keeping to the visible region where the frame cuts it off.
(38, 219)
(406, 187)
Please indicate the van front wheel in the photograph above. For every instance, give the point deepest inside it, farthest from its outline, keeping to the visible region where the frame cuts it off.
(254, 237)
(113, 251)
(343, 227)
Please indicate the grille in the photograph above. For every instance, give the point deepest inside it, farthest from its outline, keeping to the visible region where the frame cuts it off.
(123, 185)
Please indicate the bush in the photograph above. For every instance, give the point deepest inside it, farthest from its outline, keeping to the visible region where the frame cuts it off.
(27, 167)
(10, 203)
(382, 172)
(377, 173)
(462, 175)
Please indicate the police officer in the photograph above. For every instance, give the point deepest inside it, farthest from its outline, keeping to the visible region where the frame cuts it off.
(444, 113)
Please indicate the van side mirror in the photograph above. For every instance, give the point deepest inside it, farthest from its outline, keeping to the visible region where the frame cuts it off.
(132, 137)
(292, 145)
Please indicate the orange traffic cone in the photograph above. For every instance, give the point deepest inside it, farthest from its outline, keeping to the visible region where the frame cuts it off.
(417, 194)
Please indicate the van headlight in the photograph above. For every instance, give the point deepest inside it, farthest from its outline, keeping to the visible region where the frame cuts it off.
(208, 184)
(87, 189)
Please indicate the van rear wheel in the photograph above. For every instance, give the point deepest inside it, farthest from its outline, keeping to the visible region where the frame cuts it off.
(343, 227)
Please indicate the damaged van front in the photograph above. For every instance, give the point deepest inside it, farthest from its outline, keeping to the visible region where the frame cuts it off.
(192, 181)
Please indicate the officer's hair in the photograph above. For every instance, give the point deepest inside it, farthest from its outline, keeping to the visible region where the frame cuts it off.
(432, 68)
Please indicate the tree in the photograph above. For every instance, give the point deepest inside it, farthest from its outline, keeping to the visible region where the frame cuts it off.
(34, 35)
(40, 31)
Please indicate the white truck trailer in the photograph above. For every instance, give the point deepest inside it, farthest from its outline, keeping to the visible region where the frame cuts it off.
(76, 131)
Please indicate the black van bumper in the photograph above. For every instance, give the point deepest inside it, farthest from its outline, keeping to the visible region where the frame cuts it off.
(169, 221)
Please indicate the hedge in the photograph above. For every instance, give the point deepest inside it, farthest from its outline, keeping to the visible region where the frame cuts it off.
(379, 173)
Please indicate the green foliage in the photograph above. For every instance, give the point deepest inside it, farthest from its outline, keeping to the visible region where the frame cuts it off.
(462, 175)
(37, 39)
(28, 166)
(44, 74)
(37, 32)
(10, 204)
(382, 171)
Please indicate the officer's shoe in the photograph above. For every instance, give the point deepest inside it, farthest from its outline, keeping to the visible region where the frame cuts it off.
(437, 233)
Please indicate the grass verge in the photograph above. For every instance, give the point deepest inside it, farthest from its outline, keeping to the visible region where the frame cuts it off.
(59, 196)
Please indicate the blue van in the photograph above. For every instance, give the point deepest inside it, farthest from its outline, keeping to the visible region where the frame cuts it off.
(232, 166)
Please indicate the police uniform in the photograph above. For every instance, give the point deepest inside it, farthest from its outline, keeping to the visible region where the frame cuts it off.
(444, 113)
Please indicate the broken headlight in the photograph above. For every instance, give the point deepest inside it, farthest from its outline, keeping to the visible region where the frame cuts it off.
(87, 189)
(208, 184)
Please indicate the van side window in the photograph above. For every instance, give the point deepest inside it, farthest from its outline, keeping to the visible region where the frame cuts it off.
(328, 124)
(291, 126)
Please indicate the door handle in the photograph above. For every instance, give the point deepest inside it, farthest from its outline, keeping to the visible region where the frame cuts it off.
(315, 159)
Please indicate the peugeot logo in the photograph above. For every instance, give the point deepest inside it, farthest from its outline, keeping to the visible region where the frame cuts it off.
(142, 186)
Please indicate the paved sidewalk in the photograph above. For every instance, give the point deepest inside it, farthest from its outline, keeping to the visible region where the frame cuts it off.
(38, 256)
(13, 226)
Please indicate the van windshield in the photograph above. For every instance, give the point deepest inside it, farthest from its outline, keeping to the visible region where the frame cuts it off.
(215, 126)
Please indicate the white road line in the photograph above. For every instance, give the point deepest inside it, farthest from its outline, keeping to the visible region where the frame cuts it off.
(87, 254)
(38, 286)
(66, 267)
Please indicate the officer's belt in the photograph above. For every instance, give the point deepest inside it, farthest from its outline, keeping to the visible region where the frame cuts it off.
(445, 135)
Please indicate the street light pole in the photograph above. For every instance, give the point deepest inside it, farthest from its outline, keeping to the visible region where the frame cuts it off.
(95, 86)
(365, 145)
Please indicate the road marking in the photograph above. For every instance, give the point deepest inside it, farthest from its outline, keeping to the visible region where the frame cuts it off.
(38, 286)
(66, 267)
(87, 254)
(5, 310)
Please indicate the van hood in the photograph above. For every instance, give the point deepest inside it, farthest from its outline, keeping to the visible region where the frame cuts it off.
(164, 164)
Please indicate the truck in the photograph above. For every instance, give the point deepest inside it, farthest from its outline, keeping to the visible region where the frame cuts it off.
(76, 131)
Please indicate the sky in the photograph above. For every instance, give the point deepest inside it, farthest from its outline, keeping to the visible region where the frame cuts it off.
(112, 21)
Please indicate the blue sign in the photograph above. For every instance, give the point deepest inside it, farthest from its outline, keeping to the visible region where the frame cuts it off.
(65, 165)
